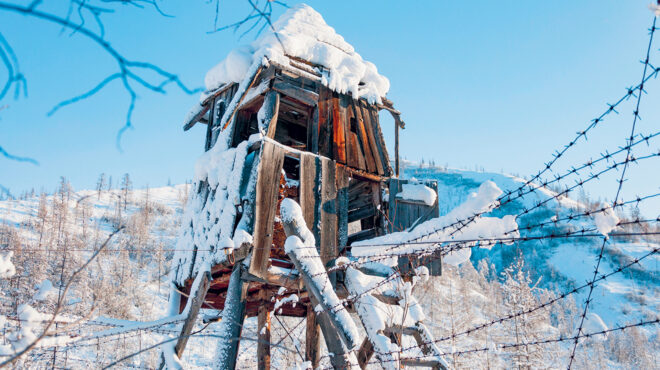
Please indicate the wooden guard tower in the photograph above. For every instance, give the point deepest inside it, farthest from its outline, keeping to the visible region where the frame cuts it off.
(292, 137)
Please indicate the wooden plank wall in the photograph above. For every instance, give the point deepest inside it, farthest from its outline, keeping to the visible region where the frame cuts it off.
(328, 227)
(342, 180)
(310, 194)
(325, 131)
(338, 115)
(349, 132)
(340, 127)
(403, 214)
(363, 198)
(309, 201)
(220, 103)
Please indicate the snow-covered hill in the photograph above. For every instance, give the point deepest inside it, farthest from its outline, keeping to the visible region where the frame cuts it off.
(560, 263)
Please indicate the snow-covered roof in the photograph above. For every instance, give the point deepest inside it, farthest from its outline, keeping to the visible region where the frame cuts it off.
(302, 33)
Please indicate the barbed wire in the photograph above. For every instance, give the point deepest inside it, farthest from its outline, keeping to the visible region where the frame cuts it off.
(532, 310)
(620, 186)
(508, 196)
(523, 344)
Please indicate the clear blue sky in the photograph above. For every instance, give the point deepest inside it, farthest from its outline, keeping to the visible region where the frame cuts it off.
(493, 84)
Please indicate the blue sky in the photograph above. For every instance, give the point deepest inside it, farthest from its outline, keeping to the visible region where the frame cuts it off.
(497, 85)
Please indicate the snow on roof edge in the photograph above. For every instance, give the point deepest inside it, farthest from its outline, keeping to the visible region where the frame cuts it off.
(301, 32)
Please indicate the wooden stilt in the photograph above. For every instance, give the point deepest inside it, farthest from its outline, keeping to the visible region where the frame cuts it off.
(396, 147)
(195, 305)
(263, 345)
(232, 321)
(312, 339)
(364, 353)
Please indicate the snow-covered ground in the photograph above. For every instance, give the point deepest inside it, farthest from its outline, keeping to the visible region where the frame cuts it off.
(559, 264)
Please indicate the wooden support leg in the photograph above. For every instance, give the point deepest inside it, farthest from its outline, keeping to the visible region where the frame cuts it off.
(196, 304)
(365, 353)
(396, 147)
(232, 321)
(263, 345)
(312, 339)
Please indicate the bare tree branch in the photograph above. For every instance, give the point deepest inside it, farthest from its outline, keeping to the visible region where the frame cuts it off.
(14, 76)
(256, 16)
(129, 71)
(7, 155)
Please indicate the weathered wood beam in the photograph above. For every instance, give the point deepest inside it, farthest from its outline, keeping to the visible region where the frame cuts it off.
(193, 310)
(365, 142)
(271, 108)
(362, 174)
(196, 118)
(213, 94)
(240, 99)
(374, 143)
(328, 228)
(380, 140)
(396, 150)
(365, 353)
(361, 235)
(312, 70)
(289, 282)
(389, 109)
(313, 131)
(312, 339)
(342, 180)
(268, 181)
(338, 130)
(232, 321)
(303, 95)
(325, 122)
(309, 191)
(195, 305)
(209, 128)
(421, 335)
(295, 72)
(263, 327)
(368, 210)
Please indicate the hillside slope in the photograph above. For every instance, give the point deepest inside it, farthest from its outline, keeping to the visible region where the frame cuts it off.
(560, 263)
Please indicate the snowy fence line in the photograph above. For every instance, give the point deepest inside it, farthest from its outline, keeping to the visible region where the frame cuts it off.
(539, 342)
(123, 334)
(524, 312)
